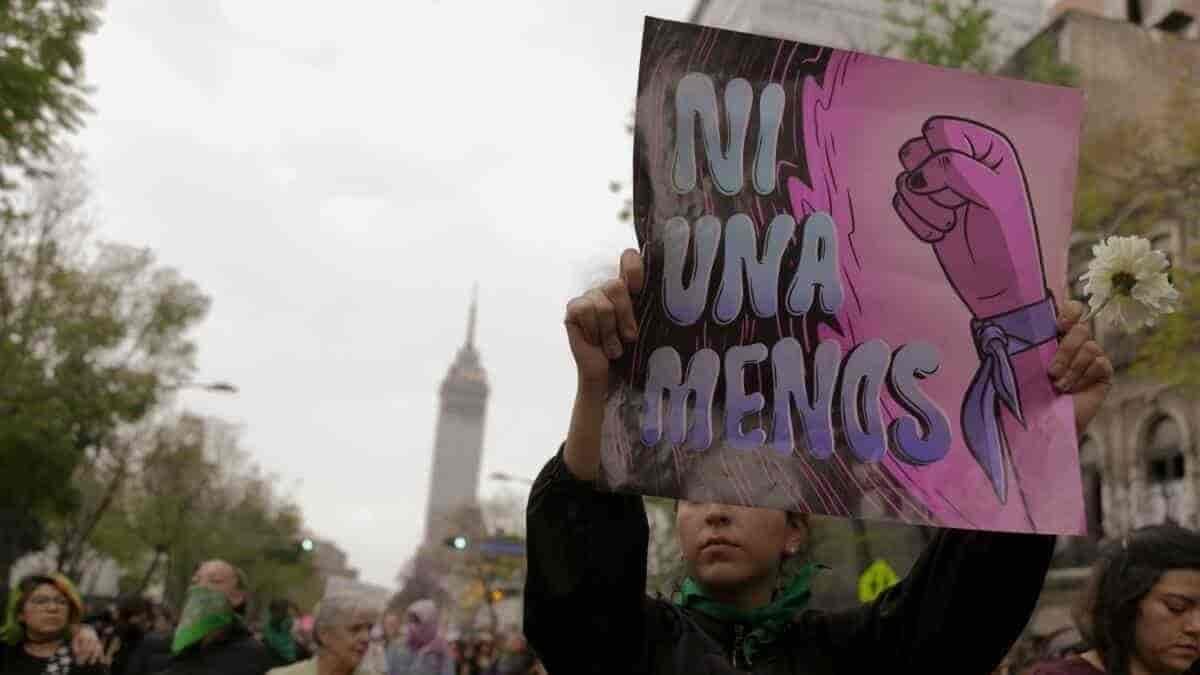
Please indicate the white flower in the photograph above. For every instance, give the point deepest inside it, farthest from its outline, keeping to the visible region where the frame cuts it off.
(1126, 273)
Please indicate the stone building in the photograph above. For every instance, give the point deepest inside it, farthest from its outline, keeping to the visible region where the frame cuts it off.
(1140, 457)
(861, 25)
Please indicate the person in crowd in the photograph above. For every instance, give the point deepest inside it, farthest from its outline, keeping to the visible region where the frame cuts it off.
(376, 659)
(342, 633)
(961, 607)
(135, 618)
(393, 627)
(212, 636)
(516, 658)
(164, 619)
(43, 613)
(153, 653)
(424, 651)
(485, 654)
(393, 633)
(227, 579)
(277, 632)
(1140, 613)
(223, 640)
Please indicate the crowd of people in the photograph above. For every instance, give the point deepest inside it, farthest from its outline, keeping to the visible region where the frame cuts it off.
(48, 630)
(961, 608)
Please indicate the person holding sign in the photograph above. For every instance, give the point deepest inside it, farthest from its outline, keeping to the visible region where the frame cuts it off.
(960, 608)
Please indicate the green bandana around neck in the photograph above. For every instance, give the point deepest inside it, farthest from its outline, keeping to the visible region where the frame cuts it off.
(278, 636)
(204, 612)
(766, 623)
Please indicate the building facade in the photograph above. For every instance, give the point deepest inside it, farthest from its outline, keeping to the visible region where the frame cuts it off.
(1171, 16)
(860, 25)
(458, 441)
(1140, 457)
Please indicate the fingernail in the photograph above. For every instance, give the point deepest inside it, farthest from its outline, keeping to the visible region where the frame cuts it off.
(1064, 384)
(1056, 369)
(614, 350)
(916, 180)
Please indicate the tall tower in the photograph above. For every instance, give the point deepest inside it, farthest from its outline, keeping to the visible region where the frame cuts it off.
(458, 441)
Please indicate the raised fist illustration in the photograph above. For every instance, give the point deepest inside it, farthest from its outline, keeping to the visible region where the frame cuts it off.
(963, 190)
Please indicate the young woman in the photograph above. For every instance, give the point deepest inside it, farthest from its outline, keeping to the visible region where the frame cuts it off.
(964, 603)
(1141, 611)
(43, 612)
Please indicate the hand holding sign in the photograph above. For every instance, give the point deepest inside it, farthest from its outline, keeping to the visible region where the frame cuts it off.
(963, 190)
(601, 320)
(599, 323)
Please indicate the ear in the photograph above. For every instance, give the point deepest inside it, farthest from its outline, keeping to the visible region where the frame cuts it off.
(797, 534)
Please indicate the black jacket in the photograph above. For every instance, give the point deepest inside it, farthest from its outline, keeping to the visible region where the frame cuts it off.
(965, 602)
(150, 657)
(237, 653)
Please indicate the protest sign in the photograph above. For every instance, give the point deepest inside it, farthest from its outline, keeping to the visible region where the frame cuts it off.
(852, 269)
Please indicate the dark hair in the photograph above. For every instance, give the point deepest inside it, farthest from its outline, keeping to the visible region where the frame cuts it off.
(1125, 573)
(278, 610)
(130, 606)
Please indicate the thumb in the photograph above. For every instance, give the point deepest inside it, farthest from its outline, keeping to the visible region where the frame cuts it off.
(964, 175)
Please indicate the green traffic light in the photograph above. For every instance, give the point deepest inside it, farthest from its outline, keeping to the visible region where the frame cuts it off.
(460, 543)
(307, 545)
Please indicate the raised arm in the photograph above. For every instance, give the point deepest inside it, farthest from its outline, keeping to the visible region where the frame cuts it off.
(585, 584)
(971, 593)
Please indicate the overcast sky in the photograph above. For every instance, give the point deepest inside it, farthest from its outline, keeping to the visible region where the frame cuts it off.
(337, 178)
(336, 181)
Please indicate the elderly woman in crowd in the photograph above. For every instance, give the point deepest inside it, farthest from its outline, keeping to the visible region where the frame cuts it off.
(342, 635)
(43, 613)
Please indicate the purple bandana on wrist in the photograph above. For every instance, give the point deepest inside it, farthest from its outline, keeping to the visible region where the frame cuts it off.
(998, 339)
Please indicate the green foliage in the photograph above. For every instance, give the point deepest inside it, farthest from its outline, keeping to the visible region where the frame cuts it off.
(948, 34)
(91, 336)
(193, 498)
(42, 92)
(1170, 352)
(1039, 62)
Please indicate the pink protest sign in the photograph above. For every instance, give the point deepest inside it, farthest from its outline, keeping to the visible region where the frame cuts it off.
(852, 270)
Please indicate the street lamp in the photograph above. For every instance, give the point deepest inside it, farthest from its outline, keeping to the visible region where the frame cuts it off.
(509, 478)
(218, 387)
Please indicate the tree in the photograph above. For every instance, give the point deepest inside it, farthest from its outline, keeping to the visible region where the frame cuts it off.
(195, 496)
(42, 89)
(947, 34)
(93, 335)
(1143, 177)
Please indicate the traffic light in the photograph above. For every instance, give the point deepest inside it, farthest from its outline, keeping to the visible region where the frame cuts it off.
(307, 545)
(458, 542)
(496, 595)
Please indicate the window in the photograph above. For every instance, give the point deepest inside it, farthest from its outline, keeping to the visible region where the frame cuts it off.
(1165, 452)
(1133, 11)
(1175, 22)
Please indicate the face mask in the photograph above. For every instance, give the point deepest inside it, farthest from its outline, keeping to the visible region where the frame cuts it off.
(204, 612)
